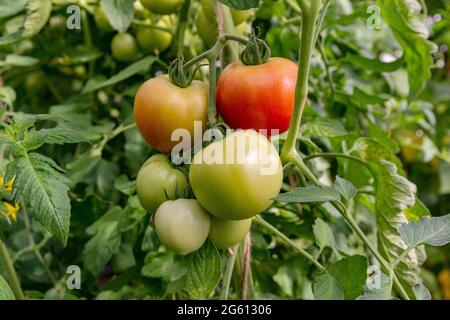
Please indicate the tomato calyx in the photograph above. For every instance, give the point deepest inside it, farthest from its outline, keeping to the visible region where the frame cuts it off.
(255, 52)
(180, 75)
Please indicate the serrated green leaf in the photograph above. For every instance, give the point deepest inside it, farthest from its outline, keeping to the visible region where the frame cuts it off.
(129, 71)
(309, 194)
(119, 13)
(105, 242)
(351, 274)
(41, 186)
(408, 26)
(5, 290)
(324, 127)
(345, 188)
(325, 287)
(204, 271)
(371, 150)
(417, 211)
(10, 8)
(434, 231)
(421, 292)
(323, 234)
(374, 65)
(18, 61)
(61, 134)
(37, 14)
(164, 265)
(394, 194)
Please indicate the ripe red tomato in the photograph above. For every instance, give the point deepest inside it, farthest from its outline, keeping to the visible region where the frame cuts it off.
(258, 96)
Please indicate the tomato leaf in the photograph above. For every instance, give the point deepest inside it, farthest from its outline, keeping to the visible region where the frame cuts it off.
(434, 231)
(10, 8)
(37, 14)
(105, 242)
(204, 271)
(324, 127)
(325, 287)
(351, 273)
(40, 184)
(129, 71)
(323, 234)
(421, 292)
(242, 4)
(408, 26)
(18, 61)
(5, 290)
(309, 194)
(345, 188)
(119, 13)
(394, 194)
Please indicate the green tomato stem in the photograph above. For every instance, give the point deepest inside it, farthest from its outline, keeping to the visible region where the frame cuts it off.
(212, 111)
(183, 20)
(231, 51)
(228, 273)
(263, 223)
(216, 48)
(12, 275)
(151, 26)
(310, 13)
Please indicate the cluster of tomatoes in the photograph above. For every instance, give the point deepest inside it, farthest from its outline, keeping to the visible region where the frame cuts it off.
(246, 173)
(153, 36)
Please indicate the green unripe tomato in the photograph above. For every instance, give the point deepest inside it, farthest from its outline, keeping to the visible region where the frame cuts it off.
(157, 181)
(124, 47)
(206, 30)
(139, 11)
(182, 225)
(238, 16)
(151, 39)
(35, 81)
(101, 20)
(227, 233)
(162, 6)
(236, 178)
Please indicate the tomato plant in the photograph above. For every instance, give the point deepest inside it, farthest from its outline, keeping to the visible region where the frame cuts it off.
(134, 161)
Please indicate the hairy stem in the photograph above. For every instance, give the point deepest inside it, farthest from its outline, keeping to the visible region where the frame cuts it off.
(228, 273)
(11, 272)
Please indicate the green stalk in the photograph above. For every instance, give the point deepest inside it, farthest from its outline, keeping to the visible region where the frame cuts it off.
(231, 50)
(12, 275)
(263, 223)
(228, 273)
(310, 13)
(212, 111)
(177, 47)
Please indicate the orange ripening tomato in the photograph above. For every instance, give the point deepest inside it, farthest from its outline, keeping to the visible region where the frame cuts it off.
(258, 96)
(160, 107)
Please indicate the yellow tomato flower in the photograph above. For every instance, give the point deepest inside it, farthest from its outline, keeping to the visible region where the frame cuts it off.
(444, 280)
(12, 210)
(8, 185)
